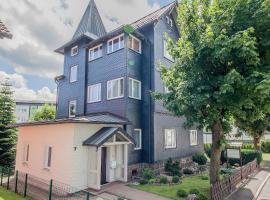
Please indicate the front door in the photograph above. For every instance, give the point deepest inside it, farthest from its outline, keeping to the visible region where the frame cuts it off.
(103, 165)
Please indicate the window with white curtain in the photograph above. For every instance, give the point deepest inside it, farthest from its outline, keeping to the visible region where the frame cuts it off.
(95, 52)
(138, 139)
(134, 88)
(94, 93)
(73, 74)
(193, 137)
(170, 138)
(166, 52)
(115, 43)
(115, 88)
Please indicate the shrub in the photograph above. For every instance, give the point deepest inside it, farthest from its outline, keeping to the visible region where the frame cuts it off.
(143, 181)
(148, 174)
(182, 193)
(175, 179)
(194, 191)
(187, 171)
(163, 179)
(204, 177)
(202, 197)
(247, 146)
(152, 181)
(266, 146)
(199, 158)
(172, 167)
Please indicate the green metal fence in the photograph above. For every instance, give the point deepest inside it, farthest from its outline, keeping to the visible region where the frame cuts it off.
(37, 188)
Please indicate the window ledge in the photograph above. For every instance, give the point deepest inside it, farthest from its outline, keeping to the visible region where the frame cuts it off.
(135, 98)
(135, 51)
(95, 59)
(114, 51)
(108, 99)
(166, 148)
(137, 149)
(90, 102)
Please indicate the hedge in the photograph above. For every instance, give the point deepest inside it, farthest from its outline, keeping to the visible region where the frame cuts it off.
(266, 146)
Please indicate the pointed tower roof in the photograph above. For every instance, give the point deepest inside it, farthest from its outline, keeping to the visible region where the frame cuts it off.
(91, 23)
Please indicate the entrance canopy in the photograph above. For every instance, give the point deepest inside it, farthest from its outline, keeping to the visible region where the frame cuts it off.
(105, 134)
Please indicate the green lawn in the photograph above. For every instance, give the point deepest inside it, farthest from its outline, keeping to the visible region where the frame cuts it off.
(266, 160)
(9, 195)
(170, 191)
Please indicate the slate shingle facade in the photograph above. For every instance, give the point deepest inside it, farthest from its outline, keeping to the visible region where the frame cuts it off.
(146, 114)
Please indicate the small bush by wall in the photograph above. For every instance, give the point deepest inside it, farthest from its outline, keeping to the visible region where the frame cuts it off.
(148, 174)
(199, 158)
(163, 179)
(266, 146)
(182, 193)
(175, 179)
(172, 167)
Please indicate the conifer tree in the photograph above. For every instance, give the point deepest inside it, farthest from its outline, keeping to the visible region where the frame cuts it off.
(7, 133)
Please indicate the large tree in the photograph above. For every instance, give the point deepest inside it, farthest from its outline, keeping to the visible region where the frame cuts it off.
(46, 112)
(218, 69)
(7, 133)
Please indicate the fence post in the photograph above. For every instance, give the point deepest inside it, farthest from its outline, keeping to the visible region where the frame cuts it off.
(2, 174)
(25, 185)
(8, 178)
(87, 196)
(16, 182)
(50, 192)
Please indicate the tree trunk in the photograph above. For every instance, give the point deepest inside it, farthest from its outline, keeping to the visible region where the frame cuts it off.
(257, 144)
(217, 136)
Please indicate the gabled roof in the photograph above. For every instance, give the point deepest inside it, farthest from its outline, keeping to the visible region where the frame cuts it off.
(4, 32)
(90, 23)
(105, 133)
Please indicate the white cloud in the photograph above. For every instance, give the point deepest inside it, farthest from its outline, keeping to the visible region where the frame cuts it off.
(21, 90)
(40, 26)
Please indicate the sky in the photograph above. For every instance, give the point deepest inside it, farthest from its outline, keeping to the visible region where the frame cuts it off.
(39, 27)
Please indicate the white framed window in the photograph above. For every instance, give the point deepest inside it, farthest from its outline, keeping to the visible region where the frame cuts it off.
(73, 74)
(134, 88)
(134, 44)
(166, 52)
(72, 108)
(170, 138)
(138, 139)
(74, 51)
(166, 89)
(115, 88)
(95, 52)
(25, 152)
(94, 93)
(48, 157)
(193, 137)
(115, 43)
(169, 21)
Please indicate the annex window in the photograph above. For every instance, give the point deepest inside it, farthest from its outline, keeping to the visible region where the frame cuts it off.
(115, 88)
(95, 52)
(94, 93)
(169, 21)
(134, 88)
(166, 52)
(72, 108)
(170, 138)
(48, 157)
(74, 51)
(73, 74)
(26, 153)
(138, 139)
(115, 43)
(134, 43)
(193, 137)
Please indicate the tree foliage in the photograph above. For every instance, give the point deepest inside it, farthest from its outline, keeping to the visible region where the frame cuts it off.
(7, 133)
(221, 69)
(46, 112)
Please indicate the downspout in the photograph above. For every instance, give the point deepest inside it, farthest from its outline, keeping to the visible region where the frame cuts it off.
(85, 84)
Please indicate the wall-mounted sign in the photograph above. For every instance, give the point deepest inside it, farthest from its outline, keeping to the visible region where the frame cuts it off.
(233, 153)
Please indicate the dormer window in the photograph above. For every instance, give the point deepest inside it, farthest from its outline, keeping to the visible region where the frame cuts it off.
(74, 51)
(95, 52)
(115, 43)
(134, 43)
(169, 21)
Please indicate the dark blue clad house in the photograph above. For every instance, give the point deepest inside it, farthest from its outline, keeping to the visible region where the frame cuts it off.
(112, 74)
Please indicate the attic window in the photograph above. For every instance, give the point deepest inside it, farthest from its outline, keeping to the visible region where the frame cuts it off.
(169, 21)
(74, 51)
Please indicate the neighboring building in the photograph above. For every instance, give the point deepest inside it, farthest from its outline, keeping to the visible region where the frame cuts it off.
(4, 32)
(25, 110)
(108, 125)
